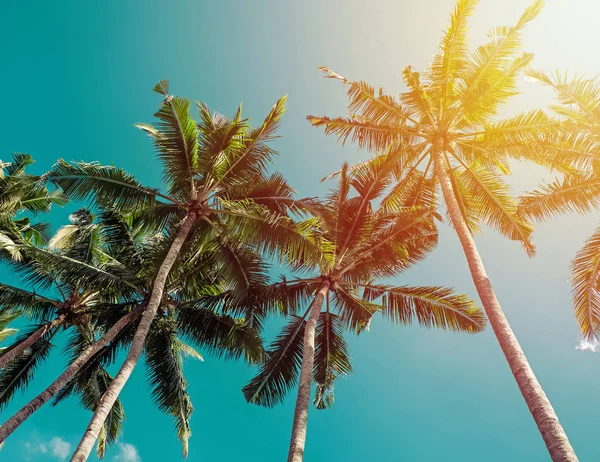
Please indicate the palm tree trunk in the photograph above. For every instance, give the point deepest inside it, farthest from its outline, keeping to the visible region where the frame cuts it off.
(296, 452)
(112, 393)
(37, 402)
(19, 348)
(546, 419)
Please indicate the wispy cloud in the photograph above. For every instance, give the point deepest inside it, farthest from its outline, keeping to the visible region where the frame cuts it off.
(592, 346)
(56, 448)
(60, 448)
(127, 453)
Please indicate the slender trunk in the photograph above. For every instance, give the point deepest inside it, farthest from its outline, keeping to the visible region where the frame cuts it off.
(546, 419)
(112, 393)
(298, 440)
(19, 348)
(37, 402)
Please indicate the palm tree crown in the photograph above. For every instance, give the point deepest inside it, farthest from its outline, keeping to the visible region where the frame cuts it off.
(449, 112)
(364, 243)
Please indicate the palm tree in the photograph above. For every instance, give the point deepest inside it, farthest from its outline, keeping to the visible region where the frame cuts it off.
(366, 243)
(442, 130)
(575, 153)
(217, 185)
(94, 309)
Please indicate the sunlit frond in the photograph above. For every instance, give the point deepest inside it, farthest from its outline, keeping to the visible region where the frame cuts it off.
(585, 278)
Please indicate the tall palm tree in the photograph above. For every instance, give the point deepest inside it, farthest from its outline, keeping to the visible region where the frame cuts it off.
(442, 129)
(574, 152)
(368, 242)
(94, 309)
(215, 173)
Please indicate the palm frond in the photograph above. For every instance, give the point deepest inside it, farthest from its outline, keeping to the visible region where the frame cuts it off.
(430, 306)
(279, 371)
(164, 356)
(585, 281)
(176, 140)
(218, 334)
(574, 193)
(332, 358)
(106, 185)
(17, 374)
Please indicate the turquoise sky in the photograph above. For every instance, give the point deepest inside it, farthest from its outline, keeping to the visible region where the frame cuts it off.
(77, 75)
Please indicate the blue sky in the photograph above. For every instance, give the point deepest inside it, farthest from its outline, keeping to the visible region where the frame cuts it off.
(77, 75)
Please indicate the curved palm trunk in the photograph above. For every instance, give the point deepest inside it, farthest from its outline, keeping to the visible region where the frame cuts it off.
(546, 419)
(112, 393)
(37, 402)
(19, 348)
(296, 452)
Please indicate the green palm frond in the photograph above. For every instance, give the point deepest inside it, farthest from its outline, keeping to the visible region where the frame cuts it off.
(355, 311)
(16, 300)
(176, 140)
(279, 371)
(221, 335)
(332, 358)
(275, 235)
(429, 306)
(117, 236)
(6, 317)
(254, 155)
(17, 374)
(106, 185)
(164, 356)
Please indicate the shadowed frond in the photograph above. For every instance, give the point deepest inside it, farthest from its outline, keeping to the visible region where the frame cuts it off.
(17, 374)
(332, 358)
(279, 371)
(221, 335)
(164, 356)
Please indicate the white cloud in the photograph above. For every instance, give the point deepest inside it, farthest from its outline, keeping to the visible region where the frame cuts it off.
(56, 448)
(59, 447)
(592, 346)
(127, 453)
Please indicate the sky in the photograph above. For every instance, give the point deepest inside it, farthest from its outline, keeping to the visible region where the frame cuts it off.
(78, 75)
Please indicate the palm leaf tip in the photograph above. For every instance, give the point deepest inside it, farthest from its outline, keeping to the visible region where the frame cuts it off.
(329, 74)
(162, 87)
